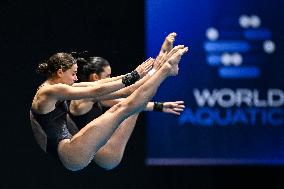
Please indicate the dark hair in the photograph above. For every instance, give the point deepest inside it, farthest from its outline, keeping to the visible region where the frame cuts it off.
(57, 61)
(90, 66)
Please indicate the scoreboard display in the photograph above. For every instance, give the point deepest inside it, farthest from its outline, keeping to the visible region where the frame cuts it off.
(231, 80)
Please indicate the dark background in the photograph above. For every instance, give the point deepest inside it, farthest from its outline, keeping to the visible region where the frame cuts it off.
(32, 31)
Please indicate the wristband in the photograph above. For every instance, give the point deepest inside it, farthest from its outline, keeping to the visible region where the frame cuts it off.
(130, 78)
(158, 106)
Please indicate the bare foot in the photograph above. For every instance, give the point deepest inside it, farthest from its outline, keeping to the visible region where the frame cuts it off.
(168, 43)
(175, 59)
(163, 57)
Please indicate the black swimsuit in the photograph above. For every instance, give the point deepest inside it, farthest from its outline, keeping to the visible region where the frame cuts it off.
(54, 125)
(82, 120)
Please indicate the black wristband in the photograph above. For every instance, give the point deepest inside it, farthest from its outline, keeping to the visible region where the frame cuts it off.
(130, 78)
(158, 106)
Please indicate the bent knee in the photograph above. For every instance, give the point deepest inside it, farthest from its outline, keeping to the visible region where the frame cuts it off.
(108, 160)
(109, 165)
(72, 160)
(73, 164)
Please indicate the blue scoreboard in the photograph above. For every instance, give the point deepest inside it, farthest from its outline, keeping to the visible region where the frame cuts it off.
(232, 82)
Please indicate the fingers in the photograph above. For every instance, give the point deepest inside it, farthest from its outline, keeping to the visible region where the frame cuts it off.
(147, 60)
(148, 68)
(180, 106)
(173, 112)
(174, 106)
(179, 102)
(145, 67)
(149, 63)
(178, 109)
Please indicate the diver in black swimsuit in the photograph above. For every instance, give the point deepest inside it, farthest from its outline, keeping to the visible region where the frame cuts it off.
(85, 110)
(77, 151)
